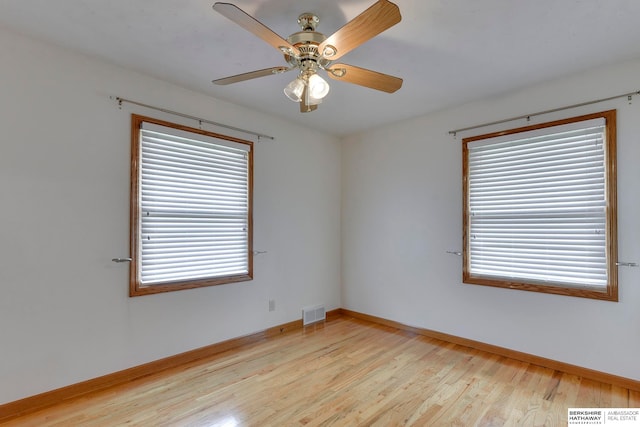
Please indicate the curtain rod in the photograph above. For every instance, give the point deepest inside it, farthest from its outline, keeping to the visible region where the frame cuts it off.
(527, 116)
(187, 116)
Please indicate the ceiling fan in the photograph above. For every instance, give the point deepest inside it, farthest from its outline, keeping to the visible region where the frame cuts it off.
(309, 51)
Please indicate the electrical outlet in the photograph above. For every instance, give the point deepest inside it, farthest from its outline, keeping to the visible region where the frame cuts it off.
(272, 305)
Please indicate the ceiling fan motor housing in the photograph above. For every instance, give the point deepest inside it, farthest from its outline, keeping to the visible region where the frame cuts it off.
(307, 42)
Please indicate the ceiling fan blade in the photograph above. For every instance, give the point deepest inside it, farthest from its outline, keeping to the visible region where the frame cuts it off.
(379, 17)
(304, 107)
(251, 75)
(364, 77)
(256, 27)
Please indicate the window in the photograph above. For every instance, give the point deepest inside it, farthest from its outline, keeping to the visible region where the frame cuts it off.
(191, 218)
(540, 208)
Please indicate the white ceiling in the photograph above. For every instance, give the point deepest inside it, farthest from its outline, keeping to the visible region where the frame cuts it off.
(447, 51)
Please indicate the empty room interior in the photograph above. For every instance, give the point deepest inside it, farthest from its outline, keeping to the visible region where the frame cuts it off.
(287, 213)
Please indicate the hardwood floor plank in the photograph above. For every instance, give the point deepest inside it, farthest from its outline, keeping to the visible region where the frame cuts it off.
(345, 372)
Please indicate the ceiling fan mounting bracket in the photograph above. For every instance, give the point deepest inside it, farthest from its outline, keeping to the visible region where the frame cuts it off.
(308, 21)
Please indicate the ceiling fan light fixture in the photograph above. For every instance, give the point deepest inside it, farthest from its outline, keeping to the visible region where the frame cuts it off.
(313, 101)
(294, 89)
(318, 87)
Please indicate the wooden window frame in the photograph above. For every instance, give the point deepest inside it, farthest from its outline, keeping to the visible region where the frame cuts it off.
(611, 291)
(135, 287)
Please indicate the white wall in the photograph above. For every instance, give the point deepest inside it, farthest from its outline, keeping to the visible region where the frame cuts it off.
(402, 209)
(65, 314)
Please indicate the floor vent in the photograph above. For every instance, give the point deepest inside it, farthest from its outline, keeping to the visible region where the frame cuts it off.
(313, 314)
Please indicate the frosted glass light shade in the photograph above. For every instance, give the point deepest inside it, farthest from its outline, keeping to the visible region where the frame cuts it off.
(313, 101)
(294, 90)
(318, 87)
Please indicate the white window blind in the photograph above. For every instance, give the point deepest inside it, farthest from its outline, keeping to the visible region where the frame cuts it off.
(537, 206)
(194, 206)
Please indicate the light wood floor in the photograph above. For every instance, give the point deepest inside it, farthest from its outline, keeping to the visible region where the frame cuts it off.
(344, 373)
